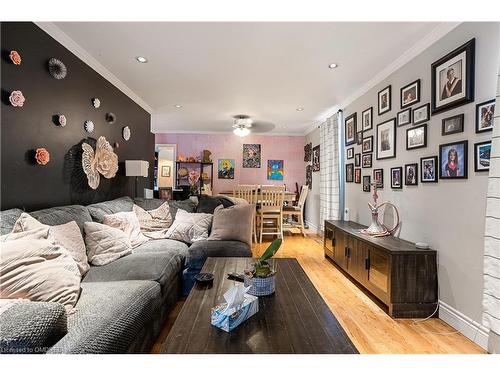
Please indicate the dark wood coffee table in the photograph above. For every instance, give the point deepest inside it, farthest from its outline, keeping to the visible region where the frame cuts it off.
(295, 319)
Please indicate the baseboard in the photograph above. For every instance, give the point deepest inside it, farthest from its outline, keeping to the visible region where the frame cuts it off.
(466, 326)
(312, 226)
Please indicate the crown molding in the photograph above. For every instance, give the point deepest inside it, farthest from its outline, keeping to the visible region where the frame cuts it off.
(63, 38)
(207, 132)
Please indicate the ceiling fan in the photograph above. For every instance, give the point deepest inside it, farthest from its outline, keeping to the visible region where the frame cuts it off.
(243, 123)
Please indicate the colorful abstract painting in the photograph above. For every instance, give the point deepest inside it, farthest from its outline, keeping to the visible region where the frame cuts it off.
(226, 169)
(251, 156)
(275, 170)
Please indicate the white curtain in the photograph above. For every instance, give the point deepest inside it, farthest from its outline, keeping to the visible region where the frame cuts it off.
(491, 293)
(329, 184)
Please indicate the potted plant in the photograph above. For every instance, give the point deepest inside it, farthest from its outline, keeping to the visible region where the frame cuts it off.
(193, 177)
(261, 278)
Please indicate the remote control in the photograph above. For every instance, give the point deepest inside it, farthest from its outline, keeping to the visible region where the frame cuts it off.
(235, 276)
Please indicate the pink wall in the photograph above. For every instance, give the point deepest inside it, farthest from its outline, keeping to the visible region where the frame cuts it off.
(229, 146)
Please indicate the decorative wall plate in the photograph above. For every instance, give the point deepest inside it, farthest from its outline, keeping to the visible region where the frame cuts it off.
(62, 120)
(15, 57)
(110, 118)
(57, 69)
(126, 133)
(89, 126)
(101, 161)
(17, 98)
(96, 102)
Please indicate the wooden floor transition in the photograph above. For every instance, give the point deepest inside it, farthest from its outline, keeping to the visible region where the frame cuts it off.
(368, 326)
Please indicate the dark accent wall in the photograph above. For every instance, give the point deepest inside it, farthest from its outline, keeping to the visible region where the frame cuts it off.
(27, 185)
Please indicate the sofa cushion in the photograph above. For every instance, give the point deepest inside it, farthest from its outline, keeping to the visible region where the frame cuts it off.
(105, 244)
(149, 203)
(190, 227)
(63, 215)
(128, 223)
(7, 220)
(152, 204)
(109, 316)
(207, 204)
(201, 250)
(99, 210)
(233, 223)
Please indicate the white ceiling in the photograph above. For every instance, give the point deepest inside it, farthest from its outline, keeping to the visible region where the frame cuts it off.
(265, 70)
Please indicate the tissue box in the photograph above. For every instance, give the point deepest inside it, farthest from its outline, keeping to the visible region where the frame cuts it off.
(230, 319)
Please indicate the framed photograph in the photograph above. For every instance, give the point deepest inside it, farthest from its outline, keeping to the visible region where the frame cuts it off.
(349, 172)
(357, 160)
(165, 171)
(378, 177)
(367, 145)
(367, 161)
(386, 139)
(359, 138)
(452, 125)
(484, 116)
(482, 153)
(366, 184)
(452, 78)
(416, 137)
(357, 175)
(165, 193)
(404, 117)
(410, 94)
(384, 100)
(350, 153)
(367, 119)
(275, 170)
(225, 169)
(421, 114)
(397, 178)
(428, 169)
(251, 155)
(350, 129)
(453, 160)
(411, 174)
(315, 159)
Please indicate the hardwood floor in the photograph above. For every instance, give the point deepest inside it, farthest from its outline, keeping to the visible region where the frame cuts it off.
(368, 326)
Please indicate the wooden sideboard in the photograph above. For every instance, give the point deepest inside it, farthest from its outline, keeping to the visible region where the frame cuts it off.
(401, 276)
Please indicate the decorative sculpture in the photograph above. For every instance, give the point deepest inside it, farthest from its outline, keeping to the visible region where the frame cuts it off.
(17, 98)
(89, 126)
(376, 228)
(96, 102)
(206, 156)
(15, 57)
(101, 161)
(110, 118)
(42, 156)
(61, 119)
(308, 152)
(126, 133)
(57, 69)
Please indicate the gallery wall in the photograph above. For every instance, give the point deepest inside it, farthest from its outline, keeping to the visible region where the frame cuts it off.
(290, 149)
(30, 186)
(449, 214)
(312, 203)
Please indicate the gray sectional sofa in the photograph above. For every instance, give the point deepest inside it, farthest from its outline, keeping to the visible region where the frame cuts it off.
(122, 305)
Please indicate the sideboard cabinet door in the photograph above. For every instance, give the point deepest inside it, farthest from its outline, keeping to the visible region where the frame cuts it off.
(329, 241)
(378, 275)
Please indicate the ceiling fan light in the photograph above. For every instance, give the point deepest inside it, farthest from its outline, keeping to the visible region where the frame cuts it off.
(241, 131)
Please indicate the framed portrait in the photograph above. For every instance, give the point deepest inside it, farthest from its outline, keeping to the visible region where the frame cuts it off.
(251, 156)
(367, 119)
(275, 170)
(378, 178)
(384, 100)
(416, 137)
(410, 94)
(359, 138)
(350, 153)
(453, 160)
(165, 171)
(484, 116)
(397, 178)
(452, 125)
(386, 139)
(367, 161)
(349, 172)
(452, 78)
(404, 117)
(482, 152)
(350, 129)
(421, 114)
(357, 175)
(428, 169)
(315, 159)
(357, 160)
(367, 145)
(366, 184)
(411, 174)
(165, 193)
(225, 169)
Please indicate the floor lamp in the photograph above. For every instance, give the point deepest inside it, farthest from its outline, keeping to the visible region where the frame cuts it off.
(136, 168)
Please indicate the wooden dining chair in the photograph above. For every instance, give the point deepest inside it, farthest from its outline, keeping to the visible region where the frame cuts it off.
(271, 209)
(249, 193)
(298, 210)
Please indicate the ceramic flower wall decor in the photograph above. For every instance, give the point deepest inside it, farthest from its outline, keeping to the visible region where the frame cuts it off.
(96, 102)
(15, 57)
(89, 126)
(101, 161)
(110, 118)
(62, 120)
(126, 133)
(57, 69)
(17, 98)
(42, 156)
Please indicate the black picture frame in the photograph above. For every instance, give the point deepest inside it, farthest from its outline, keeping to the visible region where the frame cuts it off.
(366, 184)
(427, 118)
(428, 176)
(369, 160)
(316, 162)
(350, 153)
(466, 95)
(400, 123)
(391, 125)
(491, 116)
(369, 112)
(349, 172)
(408, 135)
(347, 123)
(379, 171)
(414, 176)
(357, 175)
(442, 149)
(359, 138)
(393, 180)
(458, 128)
(382, 110)
(415, 84)
(368, 140)
(477, 158)
(357, 160)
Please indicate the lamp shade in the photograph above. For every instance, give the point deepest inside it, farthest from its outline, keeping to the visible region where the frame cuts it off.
(136, 168)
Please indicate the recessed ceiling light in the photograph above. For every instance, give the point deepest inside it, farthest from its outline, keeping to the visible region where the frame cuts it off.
(332, 66)
(178, 106)
(300, 109)
(141, 59)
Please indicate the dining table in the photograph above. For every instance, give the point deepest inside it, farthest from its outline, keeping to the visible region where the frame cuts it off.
(288, 195)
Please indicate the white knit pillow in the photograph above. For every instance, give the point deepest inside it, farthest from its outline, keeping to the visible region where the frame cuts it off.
(105, 244)
(129, 224)
(154, 223)
(190, 227)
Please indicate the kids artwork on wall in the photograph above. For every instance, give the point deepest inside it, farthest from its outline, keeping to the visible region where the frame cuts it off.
(453, 160)
(251, 155)
(315, 159)
(226, 169)
(275, 170)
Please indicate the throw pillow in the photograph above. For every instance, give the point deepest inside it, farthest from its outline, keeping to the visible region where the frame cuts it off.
(35, 268)
(233, 223)
(129, 224)
(66, 235)
(207, 204)
(105, 244)
(154, 223)
(190, 227)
